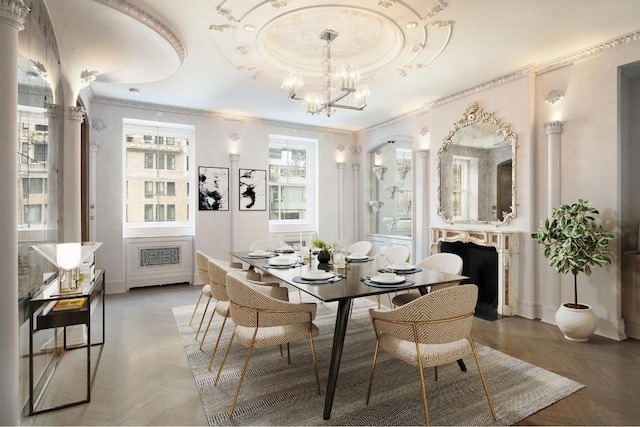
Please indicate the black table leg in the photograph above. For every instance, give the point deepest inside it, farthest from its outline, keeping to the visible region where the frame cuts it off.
(342, 317)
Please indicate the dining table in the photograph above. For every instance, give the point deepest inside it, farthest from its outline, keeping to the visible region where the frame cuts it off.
(348, 283)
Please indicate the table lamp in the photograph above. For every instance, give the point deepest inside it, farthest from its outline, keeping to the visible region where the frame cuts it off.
(68, 258)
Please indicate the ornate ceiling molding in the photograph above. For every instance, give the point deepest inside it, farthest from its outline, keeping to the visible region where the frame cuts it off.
(150, 21)
(281, 36)
(588, 53)
(204, 113)
(14, 13)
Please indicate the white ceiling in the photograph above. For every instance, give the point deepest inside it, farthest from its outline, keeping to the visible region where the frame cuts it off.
(231, 71)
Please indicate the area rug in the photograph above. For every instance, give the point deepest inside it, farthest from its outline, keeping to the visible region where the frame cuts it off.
(277, 393)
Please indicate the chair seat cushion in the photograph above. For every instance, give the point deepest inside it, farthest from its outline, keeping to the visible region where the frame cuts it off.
(206, 290)
(405, 298)
(432, 354)
(275, 335)
(222, 308)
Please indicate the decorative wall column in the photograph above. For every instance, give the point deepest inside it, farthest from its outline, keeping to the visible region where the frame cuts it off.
(93, 157)
(340, 200)
(12, 19)
(554, 132)
(421, 195)
(72, 176)
(356, 201)
(234, 195)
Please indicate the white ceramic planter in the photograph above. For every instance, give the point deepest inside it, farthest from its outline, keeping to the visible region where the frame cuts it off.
(577, 324)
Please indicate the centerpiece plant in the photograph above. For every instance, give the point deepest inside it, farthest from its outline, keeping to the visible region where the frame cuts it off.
(323, 256)
(575, 242)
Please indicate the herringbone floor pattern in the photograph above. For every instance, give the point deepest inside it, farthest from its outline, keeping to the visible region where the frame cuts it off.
(144, 377)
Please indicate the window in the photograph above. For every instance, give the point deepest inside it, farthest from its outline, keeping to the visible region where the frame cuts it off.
(157, 177)
(148, 212)
(40, 152)
(465, 187)
(24, 158)
(32, 213)
(148, 189)
(41, 128)
(148, 161)
(292, 183)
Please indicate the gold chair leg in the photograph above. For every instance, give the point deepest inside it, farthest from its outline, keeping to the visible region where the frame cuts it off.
(315, 361)
(424, 391)
(195, 309)
(244, 369)
(206, 331)
(373, 370)
(206, 307)
(378, 299)
(225, 356)
(215, 349)
(300, 295)
(390, 304)
(484, 383)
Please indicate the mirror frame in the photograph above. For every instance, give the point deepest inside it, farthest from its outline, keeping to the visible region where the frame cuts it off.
(473, 115)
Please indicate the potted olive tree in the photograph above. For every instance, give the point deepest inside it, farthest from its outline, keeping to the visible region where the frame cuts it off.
(574, 241)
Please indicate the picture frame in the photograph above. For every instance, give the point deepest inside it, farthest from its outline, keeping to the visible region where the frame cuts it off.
(213, 188)
(253, 189)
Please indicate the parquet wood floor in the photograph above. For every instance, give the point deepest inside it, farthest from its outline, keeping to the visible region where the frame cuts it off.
(144, 377)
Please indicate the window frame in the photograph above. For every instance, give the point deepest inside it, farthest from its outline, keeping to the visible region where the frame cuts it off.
(311, 148)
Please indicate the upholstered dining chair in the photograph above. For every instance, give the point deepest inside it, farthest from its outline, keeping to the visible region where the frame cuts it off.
(262, 321)
(395, 254)
(203, 276)
(361, 247)
(443, 262)
(432, 330)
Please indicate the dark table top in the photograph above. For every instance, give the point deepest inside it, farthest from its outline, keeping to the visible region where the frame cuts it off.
(350, 286)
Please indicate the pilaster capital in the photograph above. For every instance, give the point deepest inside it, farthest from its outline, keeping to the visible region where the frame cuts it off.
(355, 166)
(93, 146)
(75, 113)
(340, 165)
(14, 13)
(234, 157)
(553, 127)
(423, 153)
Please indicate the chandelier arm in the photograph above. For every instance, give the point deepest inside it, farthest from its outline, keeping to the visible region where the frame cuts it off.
(348, 107)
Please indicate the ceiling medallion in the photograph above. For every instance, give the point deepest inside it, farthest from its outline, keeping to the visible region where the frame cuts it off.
(375, 39)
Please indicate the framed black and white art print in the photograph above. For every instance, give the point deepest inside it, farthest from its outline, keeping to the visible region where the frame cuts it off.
(213, 188)
(253, 190)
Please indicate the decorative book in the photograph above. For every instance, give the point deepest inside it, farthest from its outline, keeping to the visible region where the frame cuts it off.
(69, 304)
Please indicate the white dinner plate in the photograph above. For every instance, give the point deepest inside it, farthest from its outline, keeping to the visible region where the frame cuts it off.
(357, 256)
(282, 261)
(387, 281)
(264, 254)
(401, 267)
(324, 275)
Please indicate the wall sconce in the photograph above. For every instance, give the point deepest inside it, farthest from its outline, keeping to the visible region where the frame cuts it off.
(425, 140)
(233, 142)
(340, 154)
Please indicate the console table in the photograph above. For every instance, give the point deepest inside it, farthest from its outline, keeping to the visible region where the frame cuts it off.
(45, 315)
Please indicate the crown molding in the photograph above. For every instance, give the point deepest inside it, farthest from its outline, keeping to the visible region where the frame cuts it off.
(588, 53)
(205, 113)
(151, 21)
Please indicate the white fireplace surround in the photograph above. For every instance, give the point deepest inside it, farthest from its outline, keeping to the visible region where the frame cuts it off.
(506, 244)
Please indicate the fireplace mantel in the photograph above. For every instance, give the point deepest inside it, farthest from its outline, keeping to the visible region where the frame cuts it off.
(506, 244)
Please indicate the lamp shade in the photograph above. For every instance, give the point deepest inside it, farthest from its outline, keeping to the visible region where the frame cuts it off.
(68, 255)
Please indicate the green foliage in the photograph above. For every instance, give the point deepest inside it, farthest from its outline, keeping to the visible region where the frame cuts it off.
(319, 243)
(574, 241)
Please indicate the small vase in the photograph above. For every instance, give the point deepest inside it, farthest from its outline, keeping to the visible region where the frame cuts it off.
(324, 256)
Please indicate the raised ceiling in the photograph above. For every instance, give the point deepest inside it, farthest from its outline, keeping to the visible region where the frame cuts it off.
(229, 56)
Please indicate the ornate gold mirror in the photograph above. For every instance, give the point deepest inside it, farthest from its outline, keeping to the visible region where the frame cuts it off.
(477, 170)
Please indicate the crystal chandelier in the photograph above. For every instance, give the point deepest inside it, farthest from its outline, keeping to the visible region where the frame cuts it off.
(325, 101)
